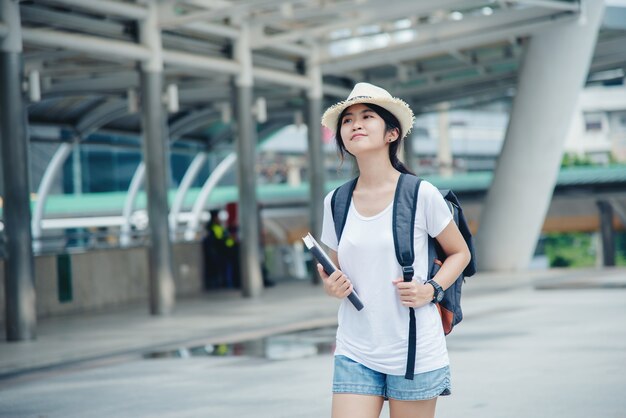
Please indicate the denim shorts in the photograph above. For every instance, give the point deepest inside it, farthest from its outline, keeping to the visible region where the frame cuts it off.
(352, 377)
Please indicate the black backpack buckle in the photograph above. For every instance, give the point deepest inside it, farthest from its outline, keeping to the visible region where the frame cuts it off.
(408, 272)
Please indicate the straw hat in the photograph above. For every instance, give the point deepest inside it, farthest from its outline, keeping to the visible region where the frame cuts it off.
(369, 93)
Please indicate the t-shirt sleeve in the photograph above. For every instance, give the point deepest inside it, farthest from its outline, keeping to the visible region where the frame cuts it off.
(437, 215)
(329, 237)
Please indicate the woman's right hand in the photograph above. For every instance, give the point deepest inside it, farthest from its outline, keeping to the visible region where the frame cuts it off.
(337, 284)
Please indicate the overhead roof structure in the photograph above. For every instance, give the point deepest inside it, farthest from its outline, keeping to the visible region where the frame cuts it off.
(85, 52)
(87, 63)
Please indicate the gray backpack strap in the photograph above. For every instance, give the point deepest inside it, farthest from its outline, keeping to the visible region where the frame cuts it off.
(404, 207)
(405, 204)
(340, 203)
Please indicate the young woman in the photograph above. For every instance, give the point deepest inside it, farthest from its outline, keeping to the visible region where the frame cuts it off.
(371, 349)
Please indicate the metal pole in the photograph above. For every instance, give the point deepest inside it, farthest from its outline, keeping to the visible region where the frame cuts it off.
(19, 272)
(607, 233)
(249, 256)
(116, 8)
(317, 169)
(155, 150)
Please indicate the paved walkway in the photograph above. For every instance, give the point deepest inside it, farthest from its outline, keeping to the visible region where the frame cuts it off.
(218, 317)
(541, 344)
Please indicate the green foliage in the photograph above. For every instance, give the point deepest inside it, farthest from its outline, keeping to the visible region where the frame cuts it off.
(570, 250)
(579, 249)
(575, 160)
(620, 249)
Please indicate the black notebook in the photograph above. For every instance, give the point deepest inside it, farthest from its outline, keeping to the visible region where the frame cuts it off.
(323, 258)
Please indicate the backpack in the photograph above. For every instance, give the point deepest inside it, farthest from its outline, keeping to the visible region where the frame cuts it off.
(404, 207)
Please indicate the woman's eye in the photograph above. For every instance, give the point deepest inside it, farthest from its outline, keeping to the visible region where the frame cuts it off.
(346, 121)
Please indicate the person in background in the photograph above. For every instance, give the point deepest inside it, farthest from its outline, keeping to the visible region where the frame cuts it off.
(217, 245)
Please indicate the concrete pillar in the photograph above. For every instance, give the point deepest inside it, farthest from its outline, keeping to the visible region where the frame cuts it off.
(249, 254)
(156, 159)
(607, 234)
(444, 150)
(552, 74)
(317, 169)
(409, 153)
(19, 274)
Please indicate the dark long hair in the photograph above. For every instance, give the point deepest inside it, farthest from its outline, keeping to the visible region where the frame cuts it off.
(391, 123)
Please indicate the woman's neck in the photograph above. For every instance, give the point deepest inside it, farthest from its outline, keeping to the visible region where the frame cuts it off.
(375, 170)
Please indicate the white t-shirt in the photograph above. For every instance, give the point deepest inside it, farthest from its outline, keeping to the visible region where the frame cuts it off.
(377, 336)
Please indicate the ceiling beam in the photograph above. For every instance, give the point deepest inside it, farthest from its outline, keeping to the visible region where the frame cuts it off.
(309, 11)
(363, 17)
(107, 7)
(564, 6)
(451, 92)
(208, 4)
(72, 21)
(433, 75)
(101, 47)
(222, 11)
(118, 82)
(212, 29)
(435, 32)
(610, 46)
(444, 85)
(232, 33)
(438, 41)
(460, 56)
(91, 45)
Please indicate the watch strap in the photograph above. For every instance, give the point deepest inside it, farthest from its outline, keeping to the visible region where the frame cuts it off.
(438, 290)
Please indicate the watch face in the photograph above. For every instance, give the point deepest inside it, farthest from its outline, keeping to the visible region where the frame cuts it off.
(438, 296)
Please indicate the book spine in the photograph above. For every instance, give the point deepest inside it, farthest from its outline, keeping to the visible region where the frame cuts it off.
(328, 267)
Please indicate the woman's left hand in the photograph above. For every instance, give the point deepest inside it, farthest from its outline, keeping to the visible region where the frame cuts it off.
(413, 294)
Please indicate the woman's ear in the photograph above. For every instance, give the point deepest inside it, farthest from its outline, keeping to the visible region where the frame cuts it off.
(392, 135)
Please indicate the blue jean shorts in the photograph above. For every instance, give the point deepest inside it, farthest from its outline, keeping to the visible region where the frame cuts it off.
(353, 377)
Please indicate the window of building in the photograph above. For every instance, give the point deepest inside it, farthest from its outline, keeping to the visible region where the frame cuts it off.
(593, 122)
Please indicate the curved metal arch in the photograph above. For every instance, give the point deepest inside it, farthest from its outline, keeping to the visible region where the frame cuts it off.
(129, 203)
(193, 224)
(190, 122)
(103, 114)
(185, 124)
(100, 116)
(56, 162)
(183, 188)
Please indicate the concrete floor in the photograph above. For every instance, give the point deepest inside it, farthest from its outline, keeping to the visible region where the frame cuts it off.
(542, 345)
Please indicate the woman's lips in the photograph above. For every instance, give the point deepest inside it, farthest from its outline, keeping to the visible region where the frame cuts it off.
(355, 136)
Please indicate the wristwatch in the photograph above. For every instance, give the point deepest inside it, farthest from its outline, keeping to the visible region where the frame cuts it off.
(439, 292)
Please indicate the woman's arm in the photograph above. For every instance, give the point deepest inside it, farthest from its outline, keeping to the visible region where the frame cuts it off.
(457, 255)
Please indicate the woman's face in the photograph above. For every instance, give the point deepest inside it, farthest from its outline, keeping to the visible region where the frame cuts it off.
(362, 129)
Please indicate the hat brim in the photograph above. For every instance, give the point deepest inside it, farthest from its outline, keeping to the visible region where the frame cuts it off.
(398, 107)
